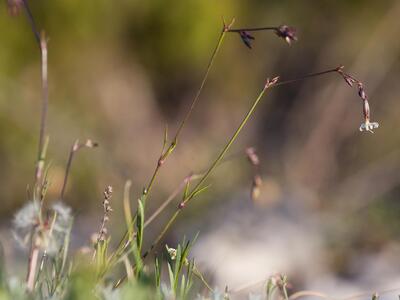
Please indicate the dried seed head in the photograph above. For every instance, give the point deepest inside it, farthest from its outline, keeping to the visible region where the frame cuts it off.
(106, 210)
(271, 82)
(247, 38)
(108, 192)
(287, 33)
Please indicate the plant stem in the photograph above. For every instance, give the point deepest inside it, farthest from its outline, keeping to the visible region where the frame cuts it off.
(225, 150)
(74, 149)
(203, 82)
(174, 142)
(164, 154)
(209, 171)
(253, 29)
(284, 82)
(67, 169)
(32, 22)
(43, 117)
(169, 199)
(32, 264)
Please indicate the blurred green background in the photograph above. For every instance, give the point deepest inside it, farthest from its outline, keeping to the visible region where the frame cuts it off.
(120, 70)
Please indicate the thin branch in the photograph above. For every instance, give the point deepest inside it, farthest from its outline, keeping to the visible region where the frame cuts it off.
(74, 149)
(32, 265)
(32, 22)
(253, 29)
(45, 104)
(270, 83)
(213, 165)
(301, 294)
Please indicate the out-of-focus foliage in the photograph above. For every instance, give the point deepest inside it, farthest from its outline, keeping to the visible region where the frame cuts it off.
(120, 70)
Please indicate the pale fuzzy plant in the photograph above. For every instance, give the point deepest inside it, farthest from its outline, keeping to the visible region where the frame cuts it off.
(47, 234)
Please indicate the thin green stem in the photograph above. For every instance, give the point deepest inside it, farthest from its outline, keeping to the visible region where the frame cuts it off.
(199, 185)
(174, 142)
(284, 82)
(203, 82)
(32, 22)
(164, 155)
(209, 171)
(225, 149)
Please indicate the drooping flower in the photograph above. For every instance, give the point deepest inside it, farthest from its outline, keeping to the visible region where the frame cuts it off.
(287, 33)
(367, 125)
(247, 38)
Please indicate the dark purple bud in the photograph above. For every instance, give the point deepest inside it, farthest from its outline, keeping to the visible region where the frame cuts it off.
(247, 38)
(287, 33)
(181, 205)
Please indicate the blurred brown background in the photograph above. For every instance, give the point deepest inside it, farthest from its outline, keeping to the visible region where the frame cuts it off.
(120, 70)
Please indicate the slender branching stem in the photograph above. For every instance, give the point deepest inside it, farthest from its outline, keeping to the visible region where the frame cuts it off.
(210, 170)
(43, 141)
(74, 149)
(32, 22)
(43, 117)
(166, 152)
(199, 185)
(284, 82)
(67, 169)
(32, 266)
(171, 197)
(203, 82)
(174, 142)
(252, 29)
(41, 41)
(226, 148)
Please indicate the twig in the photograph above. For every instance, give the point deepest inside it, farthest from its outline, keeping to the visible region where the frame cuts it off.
(75, 148)
(43, 117)
(166, 152)
(32, 264)
(253, 29)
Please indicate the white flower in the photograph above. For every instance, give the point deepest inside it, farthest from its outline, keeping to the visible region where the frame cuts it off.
(171, 252)
(369, 126)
